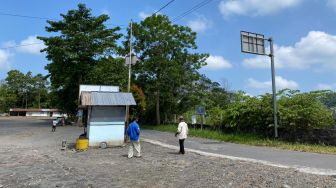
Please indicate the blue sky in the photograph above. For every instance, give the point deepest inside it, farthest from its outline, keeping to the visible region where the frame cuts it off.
(304, 34)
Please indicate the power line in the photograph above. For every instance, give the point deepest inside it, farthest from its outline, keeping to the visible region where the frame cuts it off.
(194, 8)
(42, 18)
(25, 16)
(163, 7)
(16, 46)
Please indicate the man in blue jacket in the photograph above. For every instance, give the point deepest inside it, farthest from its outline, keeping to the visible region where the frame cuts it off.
(133, 131)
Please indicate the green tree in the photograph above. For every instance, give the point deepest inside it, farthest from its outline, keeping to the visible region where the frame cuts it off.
(7, 98)
(168, 65)
(327, 97)
(26, 90)
(109, 71)
(216, 116)
(20, 85)
(40, 91)
(79, 42)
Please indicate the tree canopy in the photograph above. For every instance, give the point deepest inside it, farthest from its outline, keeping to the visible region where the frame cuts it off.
(169, 64)
(24, 91)
(80, 42)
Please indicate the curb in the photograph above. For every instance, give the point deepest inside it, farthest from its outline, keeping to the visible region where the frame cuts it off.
(303, 169)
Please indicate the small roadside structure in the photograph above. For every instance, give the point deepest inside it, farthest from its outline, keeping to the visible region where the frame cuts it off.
(104, 113)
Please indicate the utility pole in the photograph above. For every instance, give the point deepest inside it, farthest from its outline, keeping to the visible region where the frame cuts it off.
(129, 72)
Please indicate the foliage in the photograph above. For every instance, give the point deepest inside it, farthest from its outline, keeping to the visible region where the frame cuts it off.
(206, 93)
(7, 98)
(295, 110)
(216, 115)
(140, 99)
(168, 67)
(23, 90)
(303, 110)
(109, 71)
(79, 43)
(328, 98)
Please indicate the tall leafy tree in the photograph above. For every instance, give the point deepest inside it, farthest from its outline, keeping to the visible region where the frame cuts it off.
(79, 41)
(24, 90)
(40, 91)
(8, 98)
(109, 71)
(19, 84)
(169, 63)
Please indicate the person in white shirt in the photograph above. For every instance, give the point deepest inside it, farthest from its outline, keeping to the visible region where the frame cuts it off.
(182, 132)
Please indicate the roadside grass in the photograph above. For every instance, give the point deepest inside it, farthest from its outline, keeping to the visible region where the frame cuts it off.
(248, 139)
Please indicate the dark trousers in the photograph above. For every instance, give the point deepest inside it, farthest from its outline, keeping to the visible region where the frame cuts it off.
(53, 129)
(181, 141)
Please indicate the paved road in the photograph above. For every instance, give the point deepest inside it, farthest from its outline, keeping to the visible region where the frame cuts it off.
(303, 161)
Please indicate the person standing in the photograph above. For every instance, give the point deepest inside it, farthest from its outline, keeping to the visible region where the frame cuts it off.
(133, 131)
(182, 132)
(53, 128)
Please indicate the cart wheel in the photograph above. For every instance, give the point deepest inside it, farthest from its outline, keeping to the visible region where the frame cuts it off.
(103, 145)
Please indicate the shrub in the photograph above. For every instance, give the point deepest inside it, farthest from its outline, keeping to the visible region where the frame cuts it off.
(295, 110)
(303, 110)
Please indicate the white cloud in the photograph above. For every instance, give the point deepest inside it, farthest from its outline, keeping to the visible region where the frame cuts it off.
(217, 62)
(255, 7)
(9, 44)
(144, 15)
(325, 86)
(317, 49)
(105, 11)
(280, 82)
(332, 4)
(200, 24)
(31, 45)
(4, 60)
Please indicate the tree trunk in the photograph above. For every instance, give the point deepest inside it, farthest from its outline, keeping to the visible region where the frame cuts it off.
(39, 102)
(26, 100)
(158, 120)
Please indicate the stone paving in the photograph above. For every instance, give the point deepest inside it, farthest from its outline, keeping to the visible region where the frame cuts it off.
(31, 157)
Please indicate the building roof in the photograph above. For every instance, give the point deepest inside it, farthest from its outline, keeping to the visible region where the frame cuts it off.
(103, 88)
(106, 99)
(33, 110)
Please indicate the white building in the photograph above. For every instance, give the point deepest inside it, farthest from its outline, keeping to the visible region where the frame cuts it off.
(35, 112)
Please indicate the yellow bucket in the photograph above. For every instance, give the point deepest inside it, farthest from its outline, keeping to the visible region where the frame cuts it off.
(82, 144)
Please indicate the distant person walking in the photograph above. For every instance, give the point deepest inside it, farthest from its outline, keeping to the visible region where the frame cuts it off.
(133, 131)
(53, 128)
(182, 132)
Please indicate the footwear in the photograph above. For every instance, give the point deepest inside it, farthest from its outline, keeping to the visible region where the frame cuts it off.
(138, 156)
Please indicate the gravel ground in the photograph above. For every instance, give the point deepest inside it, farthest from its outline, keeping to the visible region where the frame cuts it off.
(31, 157)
